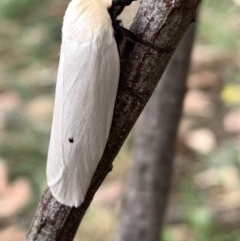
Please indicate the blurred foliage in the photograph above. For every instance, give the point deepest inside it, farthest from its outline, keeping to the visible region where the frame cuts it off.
(231, 94)
(30, 36)
(218, 26)
(19, 10)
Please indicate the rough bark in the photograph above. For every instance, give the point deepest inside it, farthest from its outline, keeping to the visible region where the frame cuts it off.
(162, 23)
(149, 181)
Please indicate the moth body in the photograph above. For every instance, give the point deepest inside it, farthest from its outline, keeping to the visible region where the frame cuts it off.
(85, 95)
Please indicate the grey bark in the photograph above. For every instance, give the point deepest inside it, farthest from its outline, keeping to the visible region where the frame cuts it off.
(162, 23)
(149, 182)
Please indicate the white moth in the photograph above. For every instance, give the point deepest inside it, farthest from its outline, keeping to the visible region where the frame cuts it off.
(85, 95)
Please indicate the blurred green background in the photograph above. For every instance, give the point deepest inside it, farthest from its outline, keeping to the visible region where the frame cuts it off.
(205, 198)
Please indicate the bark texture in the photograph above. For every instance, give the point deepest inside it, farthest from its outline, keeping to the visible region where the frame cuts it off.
(162, 23)
(149, 181)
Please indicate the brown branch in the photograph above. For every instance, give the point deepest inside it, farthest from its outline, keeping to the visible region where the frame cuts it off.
(148, 187)
(162, 23)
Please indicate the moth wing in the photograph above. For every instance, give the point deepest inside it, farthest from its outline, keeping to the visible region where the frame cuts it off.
(84, 101)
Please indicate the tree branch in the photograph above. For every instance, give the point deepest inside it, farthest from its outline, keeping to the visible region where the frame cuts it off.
(148, 187)
(161, 23)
